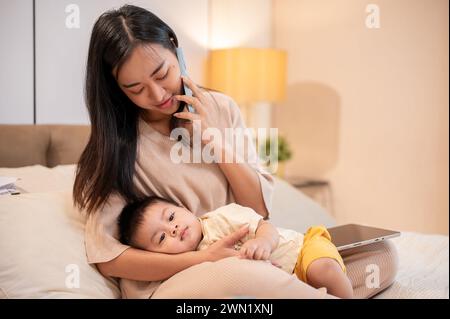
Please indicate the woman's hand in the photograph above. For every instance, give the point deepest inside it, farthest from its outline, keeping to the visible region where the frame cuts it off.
(225, 247)
(202, 104)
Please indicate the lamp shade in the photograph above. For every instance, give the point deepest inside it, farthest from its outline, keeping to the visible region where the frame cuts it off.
(248, 75)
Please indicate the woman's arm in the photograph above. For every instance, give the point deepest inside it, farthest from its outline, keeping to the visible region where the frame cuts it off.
(244, 182)
(136, 264)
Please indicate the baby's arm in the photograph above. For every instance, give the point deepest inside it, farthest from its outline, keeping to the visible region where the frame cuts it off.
(267, 231)
(265, 241)
(142, 265)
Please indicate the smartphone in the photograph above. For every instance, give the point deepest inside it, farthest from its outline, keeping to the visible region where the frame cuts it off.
(187, 90)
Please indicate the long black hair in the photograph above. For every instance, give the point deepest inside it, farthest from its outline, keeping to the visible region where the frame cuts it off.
(107, 163)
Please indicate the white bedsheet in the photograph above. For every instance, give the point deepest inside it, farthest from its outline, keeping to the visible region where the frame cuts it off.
(424, 267)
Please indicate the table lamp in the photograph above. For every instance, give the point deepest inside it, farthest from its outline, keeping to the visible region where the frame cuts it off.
(249, 76)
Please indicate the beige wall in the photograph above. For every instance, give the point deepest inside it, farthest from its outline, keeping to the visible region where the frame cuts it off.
(233, 23)
(61, 53)
(367, 109)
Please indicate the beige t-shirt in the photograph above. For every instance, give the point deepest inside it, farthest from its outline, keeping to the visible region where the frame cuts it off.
(227, 219)
(200, 187)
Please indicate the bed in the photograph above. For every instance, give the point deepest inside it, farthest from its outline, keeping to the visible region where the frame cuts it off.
(43, 219)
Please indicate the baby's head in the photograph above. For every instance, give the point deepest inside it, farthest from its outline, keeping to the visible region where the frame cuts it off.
(159, 225)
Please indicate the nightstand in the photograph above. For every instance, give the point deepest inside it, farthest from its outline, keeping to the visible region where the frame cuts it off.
(318, 190)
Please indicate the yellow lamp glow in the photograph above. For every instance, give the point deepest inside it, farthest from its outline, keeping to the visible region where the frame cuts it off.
(248, 75)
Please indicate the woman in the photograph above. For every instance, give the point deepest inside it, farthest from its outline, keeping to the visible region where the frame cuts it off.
(134, 97)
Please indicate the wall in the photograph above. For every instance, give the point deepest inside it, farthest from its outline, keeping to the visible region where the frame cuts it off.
(16, 62)
(249, 23)
(367, 109)
(61, 53)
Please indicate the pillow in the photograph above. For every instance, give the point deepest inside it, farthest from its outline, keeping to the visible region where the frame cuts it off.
(42, 248)
(40, 179)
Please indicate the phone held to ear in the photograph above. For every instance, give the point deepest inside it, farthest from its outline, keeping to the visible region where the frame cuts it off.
(187, 90)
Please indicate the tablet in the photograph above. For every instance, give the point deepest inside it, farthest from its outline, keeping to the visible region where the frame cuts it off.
(353, 235)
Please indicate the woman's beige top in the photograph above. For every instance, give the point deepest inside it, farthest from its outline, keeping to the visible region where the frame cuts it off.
(200, 187)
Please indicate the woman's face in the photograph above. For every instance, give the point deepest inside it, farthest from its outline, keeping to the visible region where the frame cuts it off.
(150, 78)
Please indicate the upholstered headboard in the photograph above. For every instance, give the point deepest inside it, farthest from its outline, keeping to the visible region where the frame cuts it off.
(47, 145)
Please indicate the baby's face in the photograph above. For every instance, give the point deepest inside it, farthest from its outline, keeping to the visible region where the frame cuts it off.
(167, 228)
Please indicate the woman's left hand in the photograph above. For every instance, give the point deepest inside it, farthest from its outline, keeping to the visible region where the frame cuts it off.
(202, 105)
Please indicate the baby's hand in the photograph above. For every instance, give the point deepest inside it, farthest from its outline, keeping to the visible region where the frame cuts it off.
(257, 248)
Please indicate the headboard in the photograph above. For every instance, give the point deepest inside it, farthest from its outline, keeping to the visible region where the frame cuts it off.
(47, 145)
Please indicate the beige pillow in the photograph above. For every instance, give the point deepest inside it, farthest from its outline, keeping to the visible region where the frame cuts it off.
(42, 250)
(40, 179)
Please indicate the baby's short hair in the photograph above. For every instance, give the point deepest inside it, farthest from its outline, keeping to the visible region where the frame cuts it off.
(132, 216)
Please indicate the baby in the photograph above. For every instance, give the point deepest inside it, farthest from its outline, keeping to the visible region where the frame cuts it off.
(160, 225)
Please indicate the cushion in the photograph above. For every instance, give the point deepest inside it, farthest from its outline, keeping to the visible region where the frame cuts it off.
(43, 254)
(40, 179)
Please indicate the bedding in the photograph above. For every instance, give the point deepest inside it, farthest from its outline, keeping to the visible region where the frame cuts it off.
(42, 238)
(42, 248)
(424, 268)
